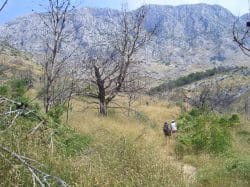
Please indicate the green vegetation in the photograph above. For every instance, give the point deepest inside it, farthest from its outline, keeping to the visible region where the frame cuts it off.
(80, 159)
(209, 138)
(122, 161)
(193, 77)
(225, 170)
(119, 150)
(70, 143)
(45, 148)
(15, 89)
(202, 131)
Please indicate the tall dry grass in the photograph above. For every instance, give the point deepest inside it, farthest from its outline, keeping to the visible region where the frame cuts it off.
(125, 150)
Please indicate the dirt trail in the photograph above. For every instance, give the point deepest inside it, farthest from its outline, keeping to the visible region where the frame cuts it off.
(189, 171)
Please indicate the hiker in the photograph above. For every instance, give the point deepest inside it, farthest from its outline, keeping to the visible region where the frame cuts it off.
(167, 129)
(173, 127)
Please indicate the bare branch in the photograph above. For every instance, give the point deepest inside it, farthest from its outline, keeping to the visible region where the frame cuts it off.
(242, 37)
(38, 176)
(111, 68)
(3, 5)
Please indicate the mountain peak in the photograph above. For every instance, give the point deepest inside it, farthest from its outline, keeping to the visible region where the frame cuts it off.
(188, 35)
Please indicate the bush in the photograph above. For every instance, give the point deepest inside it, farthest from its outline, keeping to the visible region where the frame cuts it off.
(202, 131)
(233, 170)
(4, 90)
(15, 89)
(70, 143)
(229, 120)
(239, 167)
(18, 88)
(56, 112)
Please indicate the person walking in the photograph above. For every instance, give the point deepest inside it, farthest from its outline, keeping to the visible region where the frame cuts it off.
(167, 129)
(173, 127)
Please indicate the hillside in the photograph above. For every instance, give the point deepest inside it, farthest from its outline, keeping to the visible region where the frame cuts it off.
(221, 87)
(189, 37)
(17, 64)
(104, 118)
(118, 150)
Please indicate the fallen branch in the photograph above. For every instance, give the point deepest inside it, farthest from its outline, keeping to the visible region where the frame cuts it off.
(38, 176)
(37, 127)
(12, 110)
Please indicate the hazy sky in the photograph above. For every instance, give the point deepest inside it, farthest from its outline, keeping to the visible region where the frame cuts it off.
(17, 8)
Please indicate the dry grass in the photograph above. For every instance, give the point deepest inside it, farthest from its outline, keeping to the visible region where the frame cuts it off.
(19, 63)
(89, 121)
(146, 153)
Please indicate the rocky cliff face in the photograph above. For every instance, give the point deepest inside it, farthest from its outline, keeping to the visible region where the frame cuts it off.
(189, 37)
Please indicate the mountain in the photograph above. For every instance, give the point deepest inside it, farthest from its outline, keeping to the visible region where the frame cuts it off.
(189, 37)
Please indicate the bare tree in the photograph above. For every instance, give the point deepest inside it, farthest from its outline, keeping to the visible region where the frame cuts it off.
(109, 70)
(200, 99)
(241, 35)
(56, 57)
(213, 96)
(134, 86)
(247, 108)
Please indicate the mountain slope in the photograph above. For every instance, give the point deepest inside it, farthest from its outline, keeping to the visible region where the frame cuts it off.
(15, 64)
(189, 37)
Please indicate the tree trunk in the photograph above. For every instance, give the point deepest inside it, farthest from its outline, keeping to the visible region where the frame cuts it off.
(46, 96)
(103, 108)
(129, 106)
(102, 101)
(102, 92)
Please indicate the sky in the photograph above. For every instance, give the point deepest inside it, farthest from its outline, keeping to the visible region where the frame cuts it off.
(16, 8)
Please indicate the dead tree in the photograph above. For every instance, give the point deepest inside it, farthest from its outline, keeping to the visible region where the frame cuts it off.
(108, 70)
(241, 35)
(135, 85)
(212, 96)
(247, 108)
(200, 99)
(56, 57)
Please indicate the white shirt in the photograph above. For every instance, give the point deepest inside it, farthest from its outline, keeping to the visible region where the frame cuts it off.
(173, 126)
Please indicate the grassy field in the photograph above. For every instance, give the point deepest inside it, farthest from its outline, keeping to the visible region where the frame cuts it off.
(130, 151)
(142, 134)
(117, 150)
(121, 150)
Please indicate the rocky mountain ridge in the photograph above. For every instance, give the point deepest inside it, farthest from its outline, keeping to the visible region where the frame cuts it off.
(189, 37)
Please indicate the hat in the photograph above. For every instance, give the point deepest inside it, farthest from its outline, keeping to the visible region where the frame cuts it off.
(172, 120)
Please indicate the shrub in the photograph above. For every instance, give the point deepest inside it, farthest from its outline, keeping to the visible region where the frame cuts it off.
(229, 120)
(239, 167)
(226, 171)
(70, 143)
(15, 89)
(18, 88)
(201, 131)
(56, 112)
(4, 90)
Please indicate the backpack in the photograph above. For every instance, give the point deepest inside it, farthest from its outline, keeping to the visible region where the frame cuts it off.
(166, 129)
